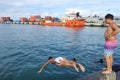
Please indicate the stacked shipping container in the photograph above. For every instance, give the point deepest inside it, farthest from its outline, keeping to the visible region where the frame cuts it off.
(2, 19)
(35, 18)
(23, 19)
(48, 19)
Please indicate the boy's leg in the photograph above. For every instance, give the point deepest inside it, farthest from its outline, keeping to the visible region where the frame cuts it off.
(111, 61)
(81, 67)
(75, 67)
(108, 63)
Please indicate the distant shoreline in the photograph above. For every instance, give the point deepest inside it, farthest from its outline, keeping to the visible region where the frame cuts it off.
(37, 23)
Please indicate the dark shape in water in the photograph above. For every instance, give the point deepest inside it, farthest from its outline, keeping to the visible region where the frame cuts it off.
(74, 59)
(101, 61)
(116, 68)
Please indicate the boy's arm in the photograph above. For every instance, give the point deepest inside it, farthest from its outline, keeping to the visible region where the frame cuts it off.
(43, 66)
(116, 30)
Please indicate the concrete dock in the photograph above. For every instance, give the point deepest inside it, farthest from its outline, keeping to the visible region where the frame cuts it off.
(100, 76)
(115, 75)
(98, 24)
(95, 76)
(31, 23)
(94, 24)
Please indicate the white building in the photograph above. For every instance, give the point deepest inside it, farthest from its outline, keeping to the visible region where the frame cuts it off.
(93, 19)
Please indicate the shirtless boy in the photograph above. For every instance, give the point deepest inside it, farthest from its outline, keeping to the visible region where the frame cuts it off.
(61, 61)
(111, 42)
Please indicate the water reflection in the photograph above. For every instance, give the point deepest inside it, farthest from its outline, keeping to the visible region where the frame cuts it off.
(75, 29)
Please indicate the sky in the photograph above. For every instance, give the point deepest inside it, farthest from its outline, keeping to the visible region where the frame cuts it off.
(58, 8)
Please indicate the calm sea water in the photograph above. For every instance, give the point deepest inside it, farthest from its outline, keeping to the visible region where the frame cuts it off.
(24, 48)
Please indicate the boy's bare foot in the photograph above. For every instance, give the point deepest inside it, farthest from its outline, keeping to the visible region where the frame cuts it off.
(83, 68)
(104, 69)
(39, 71)
(106, 72)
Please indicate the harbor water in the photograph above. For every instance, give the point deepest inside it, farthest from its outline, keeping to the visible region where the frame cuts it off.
(25, 48)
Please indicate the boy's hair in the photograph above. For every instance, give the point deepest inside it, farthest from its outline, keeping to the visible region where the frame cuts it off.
(74, 59)
(50, 58)
(109, 16)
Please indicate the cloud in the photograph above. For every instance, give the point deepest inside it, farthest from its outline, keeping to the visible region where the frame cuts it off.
(33, 2)
(49, 14)
(75, 10)
(51, 3)
(19, 8)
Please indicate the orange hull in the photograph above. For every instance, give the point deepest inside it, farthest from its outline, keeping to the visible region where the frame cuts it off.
(75, 23)
(52, 24)
(70, 23)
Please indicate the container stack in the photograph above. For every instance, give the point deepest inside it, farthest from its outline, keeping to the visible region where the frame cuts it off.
(48, 19)
(4, 19)
(23, 19)
(35, 18)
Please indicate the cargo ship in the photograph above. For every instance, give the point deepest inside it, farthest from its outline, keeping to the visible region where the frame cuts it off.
(69, 20)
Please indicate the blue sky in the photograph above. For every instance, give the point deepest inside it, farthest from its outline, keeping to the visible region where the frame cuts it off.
(57, 8)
